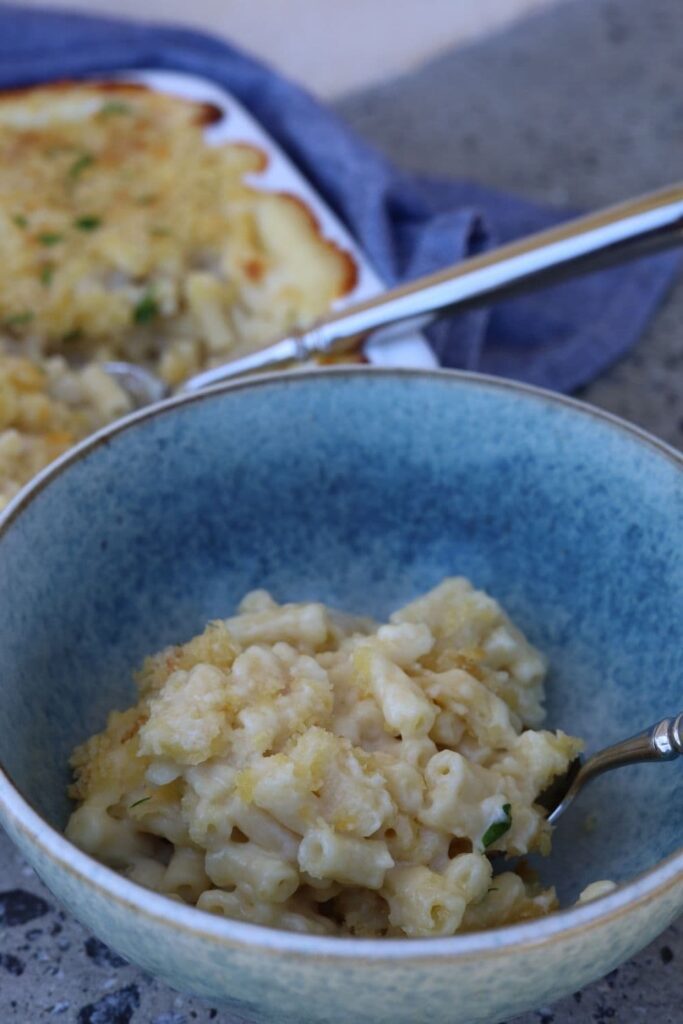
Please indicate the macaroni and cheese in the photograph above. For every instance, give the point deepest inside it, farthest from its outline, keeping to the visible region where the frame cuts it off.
(45, 408)
(124, 235)
(305, 769)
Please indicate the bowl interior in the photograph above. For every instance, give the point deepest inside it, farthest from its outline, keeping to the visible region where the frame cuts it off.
(360, 489)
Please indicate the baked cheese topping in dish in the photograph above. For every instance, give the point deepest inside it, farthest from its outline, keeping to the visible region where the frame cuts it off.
(124, 235)
(301, 768)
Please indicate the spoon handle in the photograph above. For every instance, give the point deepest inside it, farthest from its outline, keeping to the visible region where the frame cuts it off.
(661, 742)
(643, 225)
(615, 235)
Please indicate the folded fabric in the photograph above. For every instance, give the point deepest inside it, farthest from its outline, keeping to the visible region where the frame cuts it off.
(560, 338)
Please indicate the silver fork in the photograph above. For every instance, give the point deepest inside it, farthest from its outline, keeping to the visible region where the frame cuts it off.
(639, 227)
(661, 742)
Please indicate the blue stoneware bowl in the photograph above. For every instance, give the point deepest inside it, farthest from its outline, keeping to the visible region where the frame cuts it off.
(360, 488)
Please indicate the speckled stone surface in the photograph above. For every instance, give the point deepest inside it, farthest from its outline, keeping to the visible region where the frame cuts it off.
(581, 106)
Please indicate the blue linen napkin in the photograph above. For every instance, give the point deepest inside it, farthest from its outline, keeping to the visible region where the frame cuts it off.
(560, 338)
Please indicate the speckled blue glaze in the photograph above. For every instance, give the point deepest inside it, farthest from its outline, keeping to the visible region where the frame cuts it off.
(360, 488)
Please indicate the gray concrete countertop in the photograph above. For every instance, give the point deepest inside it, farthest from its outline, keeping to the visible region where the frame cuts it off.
(583, 105)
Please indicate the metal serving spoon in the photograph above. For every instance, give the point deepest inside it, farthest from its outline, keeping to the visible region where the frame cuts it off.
(620, 233)
(662, 742)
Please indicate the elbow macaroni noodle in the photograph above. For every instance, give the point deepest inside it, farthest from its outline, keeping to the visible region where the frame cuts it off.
(308, 770)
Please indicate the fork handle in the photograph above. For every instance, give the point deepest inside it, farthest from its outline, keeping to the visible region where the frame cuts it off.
(667, 738)
(661, 742)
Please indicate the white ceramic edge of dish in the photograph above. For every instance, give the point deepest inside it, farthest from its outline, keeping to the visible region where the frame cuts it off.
(282, 175)
(240, 933)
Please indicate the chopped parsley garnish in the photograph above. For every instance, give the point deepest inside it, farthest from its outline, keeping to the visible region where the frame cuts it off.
(20, 220)
(80, 164)
(138, 802)
(113, 107)
(160, 232)
(498, 828)
(47, 272)
(50, 238)
(18, 319)
(74, 335)
(146, 309)
(88, 223)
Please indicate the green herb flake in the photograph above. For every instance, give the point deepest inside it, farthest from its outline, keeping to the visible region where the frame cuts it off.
(498, 828)
(88, 223)
(138, 802)
(47, 272)
(114, 107)
(145, 200)
(80, 164)
(18, 319)
(160, 232)
(20, 220)
(50, 238)
(70, 336)
(146, 309)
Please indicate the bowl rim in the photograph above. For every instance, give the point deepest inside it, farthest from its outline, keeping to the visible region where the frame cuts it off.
(25, 821)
